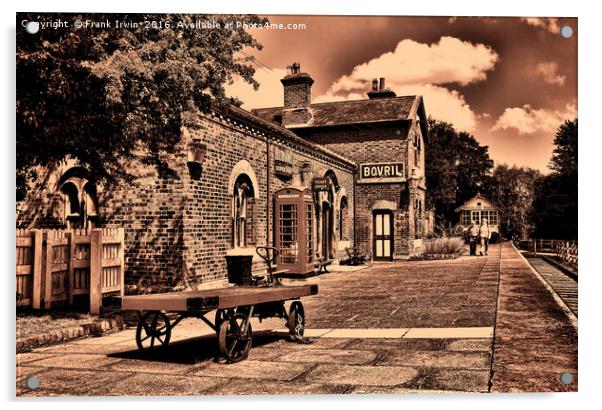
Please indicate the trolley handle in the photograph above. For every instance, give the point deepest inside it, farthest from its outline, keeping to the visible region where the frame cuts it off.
(269, 255)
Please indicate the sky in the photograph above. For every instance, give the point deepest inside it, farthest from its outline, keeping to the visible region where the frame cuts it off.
(509, 81)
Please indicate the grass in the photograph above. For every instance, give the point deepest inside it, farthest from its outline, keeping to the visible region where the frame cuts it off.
(443, 246)
(29, 324)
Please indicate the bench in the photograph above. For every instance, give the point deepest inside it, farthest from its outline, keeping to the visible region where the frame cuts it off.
(354, 258)
(322, 263)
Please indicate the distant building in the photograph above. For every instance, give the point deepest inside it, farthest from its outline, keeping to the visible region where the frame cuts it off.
(477, 208)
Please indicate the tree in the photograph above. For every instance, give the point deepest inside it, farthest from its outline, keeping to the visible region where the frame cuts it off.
(555, 205)
(512, 192)
(564, 157)
(106, 96)
(457, 168)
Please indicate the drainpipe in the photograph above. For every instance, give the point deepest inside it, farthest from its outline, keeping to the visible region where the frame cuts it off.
(354, 207)
(268, 193)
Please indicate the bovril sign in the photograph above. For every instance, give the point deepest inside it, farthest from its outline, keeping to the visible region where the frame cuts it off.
(382, 172)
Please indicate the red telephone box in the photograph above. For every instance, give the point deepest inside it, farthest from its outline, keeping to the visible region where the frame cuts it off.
(293, 224)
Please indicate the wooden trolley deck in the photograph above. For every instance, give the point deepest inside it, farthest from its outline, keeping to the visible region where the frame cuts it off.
(210, 299)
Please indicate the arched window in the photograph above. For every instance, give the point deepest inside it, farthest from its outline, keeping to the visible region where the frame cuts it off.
(242, 212)
(342, 218)
(80, 197)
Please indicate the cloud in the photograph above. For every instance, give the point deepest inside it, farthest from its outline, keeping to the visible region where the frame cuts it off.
(548, 23)
(449, 61)
(549, 73)
(269, 93)
(421, 69)
(528, 120)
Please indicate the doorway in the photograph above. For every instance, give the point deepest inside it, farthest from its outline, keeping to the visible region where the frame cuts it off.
(327, 225)
(383, 235)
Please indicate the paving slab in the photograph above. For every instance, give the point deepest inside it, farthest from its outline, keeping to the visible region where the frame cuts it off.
(438, 359)
(148, 366)
(330, 356)
(23, 358)
(238, 386)
(459, 380)
(362, 375)
(449, 333)
(251, 369)
(144, 384)
(75, 382)
(365, 333)
(468, 345)
(76, 361)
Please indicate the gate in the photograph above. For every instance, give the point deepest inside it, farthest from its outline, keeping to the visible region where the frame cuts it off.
(54, 266)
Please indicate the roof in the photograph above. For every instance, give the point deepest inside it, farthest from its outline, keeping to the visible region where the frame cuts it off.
(284, 133)
(351, 112)
(473, 204)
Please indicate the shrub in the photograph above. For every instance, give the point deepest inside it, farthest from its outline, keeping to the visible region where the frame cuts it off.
(443, 246)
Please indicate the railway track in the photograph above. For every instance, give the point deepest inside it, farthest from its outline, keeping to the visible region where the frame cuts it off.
(564, 286)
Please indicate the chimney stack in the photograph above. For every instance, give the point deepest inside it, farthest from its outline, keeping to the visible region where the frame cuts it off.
(374, 84)
(297, 96)
(297, 87)
(379, 90)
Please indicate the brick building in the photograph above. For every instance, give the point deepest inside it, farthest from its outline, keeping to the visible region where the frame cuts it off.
(385, 136)
(358, 165)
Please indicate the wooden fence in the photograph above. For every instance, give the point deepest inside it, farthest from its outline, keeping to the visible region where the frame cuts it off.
(566, 251)
(53, 266)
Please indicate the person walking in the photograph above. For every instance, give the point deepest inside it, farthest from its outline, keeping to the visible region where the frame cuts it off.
(473, 236)
(485, 235)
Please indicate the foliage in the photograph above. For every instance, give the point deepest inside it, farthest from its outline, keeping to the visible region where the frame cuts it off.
(457, 168)
(512, 192)
(555, 205)
(106, 96)
(564, 158)
(443, 246)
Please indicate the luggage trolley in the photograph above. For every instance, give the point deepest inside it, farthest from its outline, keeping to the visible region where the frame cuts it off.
(235, 306)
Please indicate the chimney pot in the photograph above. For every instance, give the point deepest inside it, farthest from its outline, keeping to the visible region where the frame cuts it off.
(374, 84)
(382, 83)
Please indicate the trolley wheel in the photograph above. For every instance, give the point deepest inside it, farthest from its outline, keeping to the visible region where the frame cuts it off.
(296, 321)
(220, 316)
(234, 340)
(154, 329)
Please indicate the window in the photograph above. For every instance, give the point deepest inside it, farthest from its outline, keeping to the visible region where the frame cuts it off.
(289, 248)
(80, 199)
(465, 218)
(342, 221)
(242, 209)
(493, 217)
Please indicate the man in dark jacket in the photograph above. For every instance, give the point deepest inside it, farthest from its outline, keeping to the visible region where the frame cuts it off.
(473, 237)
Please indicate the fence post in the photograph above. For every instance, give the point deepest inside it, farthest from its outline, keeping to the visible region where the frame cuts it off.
(70, 235)
(95, 270)
(122, 258)
(48, 254)
(37, 269)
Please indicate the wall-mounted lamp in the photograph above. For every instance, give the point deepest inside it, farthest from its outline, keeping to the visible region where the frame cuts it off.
(196, 157)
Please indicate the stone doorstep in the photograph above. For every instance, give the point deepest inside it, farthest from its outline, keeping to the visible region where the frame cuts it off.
(87, 329)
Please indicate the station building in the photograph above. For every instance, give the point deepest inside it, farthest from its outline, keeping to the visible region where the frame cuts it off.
(310, 179)
(475, 210)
